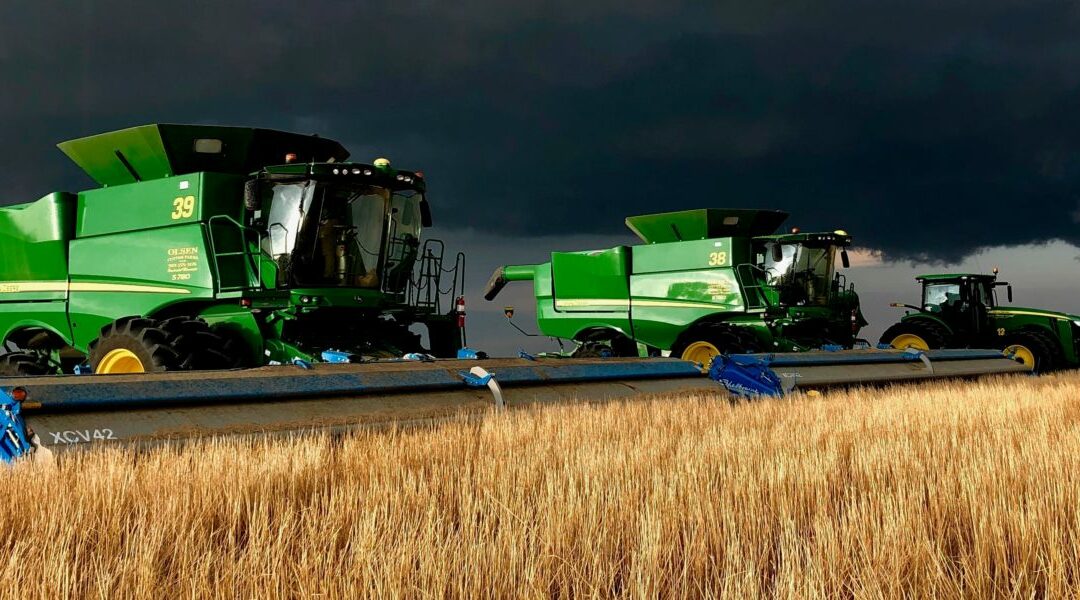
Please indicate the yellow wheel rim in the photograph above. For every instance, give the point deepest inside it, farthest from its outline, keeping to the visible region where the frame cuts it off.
(120, 361)
(700, 352)
(909, 340)
(1021, 353)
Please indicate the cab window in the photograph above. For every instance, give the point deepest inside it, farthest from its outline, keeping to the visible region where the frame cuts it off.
(941, 296)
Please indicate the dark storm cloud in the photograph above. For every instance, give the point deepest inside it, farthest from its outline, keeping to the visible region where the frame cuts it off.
(927, 129)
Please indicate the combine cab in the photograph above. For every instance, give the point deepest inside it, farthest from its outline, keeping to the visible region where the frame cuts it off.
(217, 247)
(962, 310)
(705, 282)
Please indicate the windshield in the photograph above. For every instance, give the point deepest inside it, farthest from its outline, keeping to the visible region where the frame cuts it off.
(342, 234)
(803, 275)
(940, 296)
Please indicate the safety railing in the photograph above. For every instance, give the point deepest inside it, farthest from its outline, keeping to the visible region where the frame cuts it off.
(751, 278)
(433, 282)
(236, 266)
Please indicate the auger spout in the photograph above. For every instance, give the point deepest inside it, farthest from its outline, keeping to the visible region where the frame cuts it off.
(506, 274)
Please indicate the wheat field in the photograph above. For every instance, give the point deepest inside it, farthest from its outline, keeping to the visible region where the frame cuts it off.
(950, 491)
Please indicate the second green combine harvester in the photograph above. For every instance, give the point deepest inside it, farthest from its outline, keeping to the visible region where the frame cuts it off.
(705, 282)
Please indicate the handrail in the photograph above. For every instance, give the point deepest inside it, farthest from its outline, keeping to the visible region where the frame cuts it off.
(252, 265)
(759, 288)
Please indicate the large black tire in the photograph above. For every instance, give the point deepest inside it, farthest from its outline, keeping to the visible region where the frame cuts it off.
(593, 350)
(200, 347)
(604, 343)
(23, 364)
(933, 333)
(143, 338)
(1042, 346)
(703, 342)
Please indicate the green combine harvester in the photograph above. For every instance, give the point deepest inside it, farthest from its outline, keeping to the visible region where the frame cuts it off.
(705, 282)
(962, 310)
(218, 247)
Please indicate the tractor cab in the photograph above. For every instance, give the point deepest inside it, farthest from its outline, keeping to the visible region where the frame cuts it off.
(962, 300)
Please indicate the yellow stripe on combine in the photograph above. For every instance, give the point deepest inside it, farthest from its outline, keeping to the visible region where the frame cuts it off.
(592, 302)
(126, 287)
(20, 287)
(679, 304)
(589, 302)
(1029, 313)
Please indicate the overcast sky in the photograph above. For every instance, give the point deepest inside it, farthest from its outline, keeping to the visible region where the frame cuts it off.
(932, 131)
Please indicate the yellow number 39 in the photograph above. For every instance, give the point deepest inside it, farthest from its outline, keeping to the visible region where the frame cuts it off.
(183, 207)
(717, 259)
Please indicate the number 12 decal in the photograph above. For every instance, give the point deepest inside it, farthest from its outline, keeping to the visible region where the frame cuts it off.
(183, 207)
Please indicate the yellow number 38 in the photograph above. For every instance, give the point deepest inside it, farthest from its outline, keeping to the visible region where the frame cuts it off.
(717, 259)
(183, 207)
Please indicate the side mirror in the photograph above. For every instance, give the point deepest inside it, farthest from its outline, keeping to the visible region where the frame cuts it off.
(251, 195)
(776, 252)
(1008, 292)
(844, 260)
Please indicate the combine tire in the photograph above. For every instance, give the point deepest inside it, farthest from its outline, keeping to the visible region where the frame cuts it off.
(604, 343)
(1035, 348)
(200, 347)
(703, 343)
(920, 335)
(23, 364)
(134, 345)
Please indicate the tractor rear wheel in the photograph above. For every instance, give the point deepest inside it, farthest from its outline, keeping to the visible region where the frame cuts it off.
(703, 343)
(1037, 349)
(134, 345)
(23, 364)
(917, 334)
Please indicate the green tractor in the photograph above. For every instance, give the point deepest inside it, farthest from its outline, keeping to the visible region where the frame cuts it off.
(961, 310)
(214, 247)
(705, 282)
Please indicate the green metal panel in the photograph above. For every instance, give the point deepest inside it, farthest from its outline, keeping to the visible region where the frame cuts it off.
(158, 151)
(140, 206)
(16, 316)
(569, 324)
(676, 284)
(682, 256)
(136, 273)
(594, 281)
(33, 248)
(705, 223)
